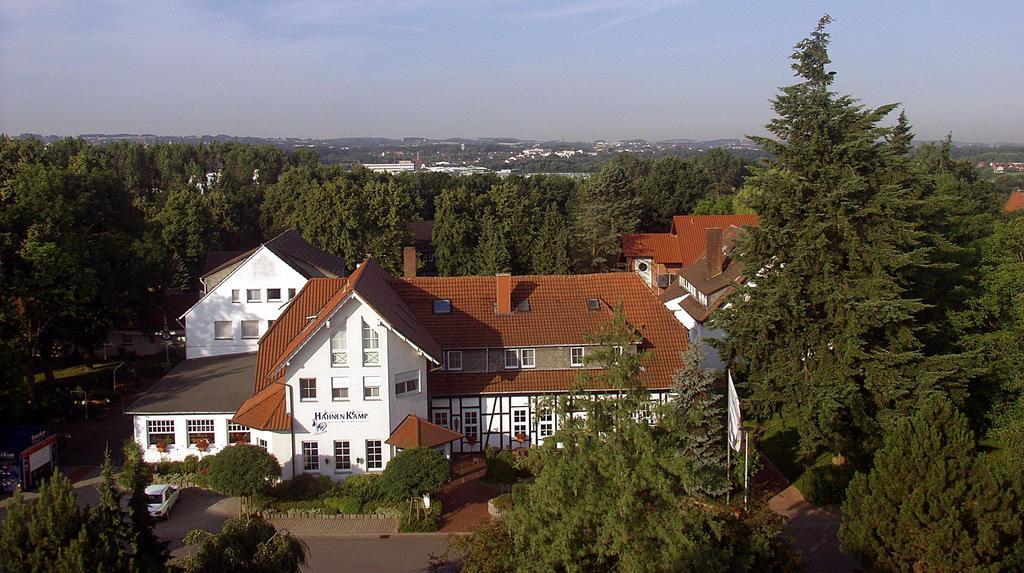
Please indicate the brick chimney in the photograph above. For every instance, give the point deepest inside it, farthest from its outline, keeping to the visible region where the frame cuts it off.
(409, 262)
(503, 292)
(714, 256)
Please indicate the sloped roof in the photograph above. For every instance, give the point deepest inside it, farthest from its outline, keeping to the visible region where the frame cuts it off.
(415, 432)
(1015, 202)
(558, 315)
(686, 241)
(662, 247)
(200, 385)
(696, 273)
(306, 259)
(217, 260)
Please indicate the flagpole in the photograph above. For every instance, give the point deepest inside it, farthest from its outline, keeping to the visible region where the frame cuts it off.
(746, 467)
(728, 454)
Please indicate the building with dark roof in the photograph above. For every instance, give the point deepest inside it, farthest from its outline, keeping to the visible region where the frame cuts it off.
(244, 292)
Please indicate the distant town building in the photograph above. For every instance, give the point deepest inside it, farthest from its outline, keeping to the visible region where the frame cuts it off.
(399, 167)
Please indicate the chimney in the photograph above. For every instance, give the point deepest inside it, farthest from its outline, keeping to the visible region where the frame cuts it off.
(409, 262)
(503, 293)
(714, 255)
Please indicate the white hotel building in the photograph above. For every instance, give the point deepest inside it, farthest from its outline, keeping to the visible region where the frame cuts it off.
(357, 368)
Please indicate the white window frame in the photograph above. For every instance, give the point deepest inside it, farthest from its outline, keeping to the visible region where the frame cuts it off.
(514, 353)
(450, 364)
(545, 423)
(371, 391)
(342, 457)
(201, 427)
(339, 383)
(236, 295)
(520, 421)
(159, 428)
(310, 457)
(262, 443)
(236, 429)
(475, 424)
(573, 361)
(371, 346)
(374, 461)
(441, 418)
(253, 295)
(231, 325)
(339, 349)
(251, 336)
(304, 388)
(523, 353)
(274, 298)
(403, 381)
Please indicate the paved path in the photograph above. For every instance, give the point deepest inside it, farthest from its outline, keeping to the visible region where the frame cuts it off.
(404, 553)
(813, 529)
(305, 527)
(464, 498)
(196, 509)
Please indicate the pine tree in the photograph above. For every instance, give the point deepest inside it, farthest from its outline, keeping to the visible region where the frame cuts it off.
(108, 533)
(148, 552)
(932, 503)
(693, 420)
(598, 218)
(828, 330)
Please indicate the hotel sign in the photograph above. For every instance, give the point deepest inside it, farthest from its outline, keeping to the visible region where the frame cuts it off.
(324, 417)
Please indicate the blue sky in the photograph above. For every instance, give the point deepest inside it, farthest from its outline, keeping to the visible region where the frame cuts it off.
(577, 69)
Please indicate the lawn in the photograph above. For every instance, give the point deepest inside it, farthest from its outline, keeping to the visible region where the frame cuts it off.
(780, 442)
(80, 370)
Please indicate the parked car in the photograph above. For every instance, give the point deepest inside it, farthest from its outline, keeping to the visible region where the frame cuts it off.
(160, 498)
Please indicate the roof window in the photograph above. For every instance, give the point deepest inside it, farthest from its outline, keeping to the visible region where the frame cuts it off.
(523, 306)
(593, 304)
(443, 306)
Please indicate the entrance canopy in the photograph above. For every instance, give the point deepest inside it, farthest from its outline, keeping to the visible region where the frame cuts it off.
(415, 432)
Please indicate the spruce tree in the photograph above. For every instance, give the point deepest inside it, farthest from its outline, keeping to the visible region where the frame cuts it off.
(551, 249)
(828, 330)
(932, 503)
(106, 542)
(456, 232)
(693, 420)
(148, 552)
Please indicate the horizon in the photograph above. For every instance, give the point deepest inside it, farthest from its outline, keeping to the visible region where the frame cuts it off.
(579, 70)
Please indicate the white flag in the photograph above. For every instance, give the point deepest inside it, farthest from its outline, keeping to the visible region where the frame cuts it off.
(735, 420)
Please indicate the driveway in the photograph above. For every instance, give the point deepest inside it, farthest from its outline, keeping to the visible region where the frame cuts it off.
(196, 509)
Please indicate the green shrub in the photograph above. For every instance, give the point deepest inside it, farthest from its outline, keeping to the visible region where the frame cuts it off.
(502, 502)
(826, 485)
(300, 487)
(500, 466)
(345, 505)
(363, 487)
(243, 470)
(415, 472)
(417, 519)
(385, 506)
(310, 505)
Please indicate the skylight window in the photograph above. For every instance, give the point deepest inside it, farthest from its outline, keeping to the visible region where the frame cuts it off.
(442, 306)
(593, 304)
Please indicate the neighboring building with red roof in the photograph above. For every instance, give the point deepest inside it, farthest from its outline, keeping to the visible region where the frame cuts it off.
(657, 257)
(1015, 202)
(357, 367)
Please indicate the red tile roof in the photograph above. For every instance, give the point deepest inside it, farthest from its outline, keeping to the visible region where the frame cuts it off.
(415, 432)
(1015, 202)
(558, 315)
(685, 243)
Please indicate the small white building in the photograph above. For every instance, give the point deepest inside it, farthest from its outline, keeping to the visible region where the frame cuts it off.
(245, 294)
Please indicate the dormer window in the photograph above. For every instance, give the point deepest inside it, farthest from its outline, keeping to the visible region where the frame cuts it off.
(442, 306)
(371, 346)
(453, 360)
(523, 306)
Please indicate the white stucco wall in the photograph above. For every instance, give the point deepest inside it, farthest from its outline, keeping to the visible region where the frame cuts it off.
(261, 271)
(181, 448)
(381, 415)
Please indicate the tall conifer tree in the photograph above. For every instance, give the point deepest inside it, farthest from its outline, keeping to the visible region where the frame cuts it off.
(828, 329)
